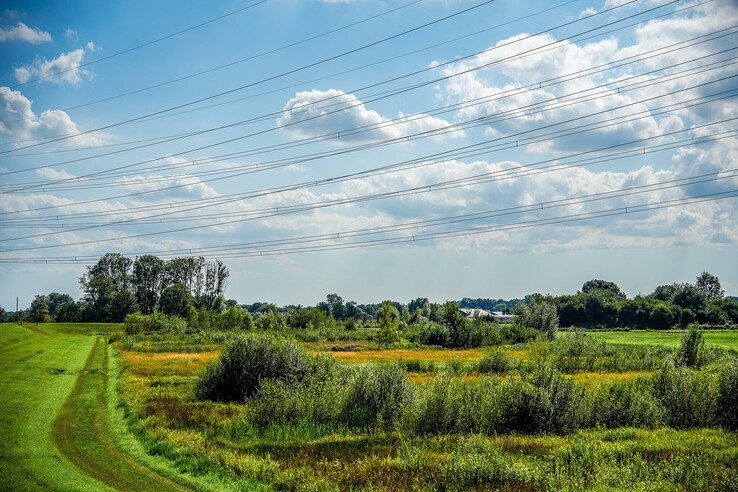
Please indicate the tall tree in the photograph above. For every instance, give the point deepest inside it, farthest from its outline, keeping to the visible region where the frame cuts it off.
(709, 284)
(148, 281)
(39, 310)
(597, 285)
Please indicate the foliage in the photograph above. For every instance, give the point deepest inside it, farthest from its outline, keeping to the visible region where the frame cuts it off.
(496, 362)
(39, 311)
(604, 287)
(232, 318)
(270, 321)
(136, 323)
(540, 316)
(388, 323)
(727, 400)
(692, 347)
(689, 397)
(246, 362)
(377, 397)
(176, 301)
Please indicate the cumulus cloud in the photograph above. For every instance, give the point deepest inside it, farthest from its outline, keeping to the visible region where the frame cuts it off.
(188, 187)
(512, 85)
(64, 69)
(22, 32)
(302, 118)
(20, 123)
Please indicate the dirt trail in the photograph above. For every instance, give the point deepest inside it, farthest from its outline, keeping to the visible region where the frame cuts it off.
(81, 434)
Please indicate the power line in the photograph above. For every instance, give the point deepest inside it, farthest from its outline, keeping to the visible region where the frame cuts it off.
(190, 228)
(538, 107)
(139, 46)
(556, 164)
(381, 96)
(470, 231)
(273, 77)
(354, 175)
(232, 63)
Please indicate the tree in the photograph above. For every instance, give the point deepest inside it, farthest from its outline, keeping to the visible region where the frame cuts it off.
(388, 321)
(710, 285)
(175, 301)
(540, 316)
(39, 310)
(57, 300)
(69, 313)
(453, 319)
(603, 286)
(3, 315)
(232, 318)
(148, 281)
(122, 304)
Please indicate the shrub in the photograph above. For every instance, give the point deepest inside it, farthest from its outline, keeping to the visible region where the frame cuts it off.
(377, 396)
(434, 334)
(688, 396)
(517, 333)
(136, 323)
(247, 323)
(727, 400)
(231, 318)
(626, 404)
(691, 349)
(547, 402)
(245, 362)
(477, 463)
(496, 362)
(317, 399)
(270, 321)
(540, 316)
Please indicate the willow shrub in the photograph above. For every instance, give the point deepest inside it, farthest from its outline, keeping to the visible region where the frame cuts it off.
(246, 362)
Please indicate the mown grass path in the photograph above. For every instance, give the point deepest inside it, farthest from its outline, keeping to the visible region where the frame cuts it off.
(53, 421)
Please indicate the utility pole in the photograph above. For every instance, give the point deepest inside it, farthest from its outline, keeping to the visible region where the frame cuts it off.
(16, 304)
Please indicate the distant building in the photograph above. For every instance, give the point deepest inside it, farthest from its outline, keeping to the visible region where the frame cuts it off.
(483, 313)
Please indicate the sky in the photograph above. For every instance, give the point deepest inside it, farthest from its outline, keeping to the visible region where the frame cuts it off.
(377, 149)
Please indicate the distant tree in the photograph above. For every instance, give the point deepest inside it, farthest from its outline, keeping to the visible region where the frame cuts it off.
(247, 323)
(232, 318)
(420, 304)
(710, 285)
(69, 313)
(3, 315)
(603, 286)
(541, 316)
(388, 318)
(57, 300)
(334, 306)
(690, 297)
(175, 300)
(39, 310)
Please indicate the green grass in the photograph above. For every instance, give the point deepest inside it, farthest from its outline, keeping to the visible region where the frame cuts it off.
(60, 428)
(727, 339)
(38, 369)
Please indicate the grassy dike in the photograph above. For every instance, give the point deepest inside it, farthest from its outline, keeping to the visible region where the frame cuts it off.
(61, 427)
(38, 370)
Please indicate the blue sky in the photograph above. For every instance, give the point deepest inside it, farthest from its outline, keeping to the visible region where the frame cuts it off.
(665, 99)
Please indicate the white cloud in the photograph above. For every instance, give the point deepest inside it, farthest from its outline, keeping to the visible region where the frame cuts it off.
(188, 186)
(21, 32)
(55, 174)
(70, 33)
(312, 104)
(64, 69)
(21, 123)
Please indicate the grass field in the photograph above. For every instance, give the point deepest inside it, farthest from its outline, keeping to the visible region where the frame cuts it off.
(78, 413)
(722, 339)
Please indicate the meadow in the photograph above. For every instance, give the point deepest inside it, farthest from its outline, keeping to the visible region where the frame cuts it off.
(92, 408)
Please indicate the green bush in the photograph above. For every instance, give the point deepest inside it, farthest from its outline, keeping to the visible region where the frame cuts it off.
(727, 400)
(546, 401)
(496, 362)
(541, 316)
(377, 397)
(689, 397)
(270, 321)
(246, 362)
(626, 404)
(434, 334)
(231, 318)
(136, 323)
(692, 347)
